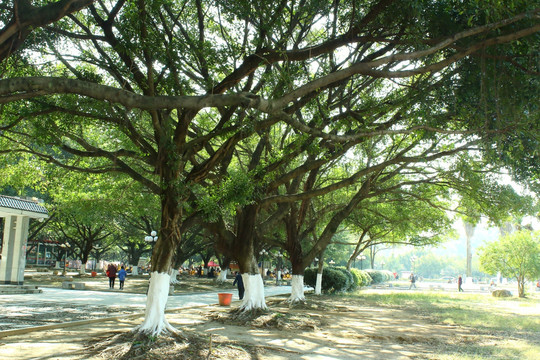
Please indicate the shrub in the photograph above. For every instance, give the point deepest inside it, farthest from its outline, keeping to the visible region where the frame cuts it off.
(351, 281)
(377, 276)
(501, 293)
(367, 278)
(334, 279)
(310, 276)
(363, 277)
(338, 279)
(388, 275)
(356, 277)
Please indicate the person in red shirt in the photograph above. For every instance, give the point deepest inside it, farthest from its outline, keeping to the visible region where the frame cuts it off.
(111, 273)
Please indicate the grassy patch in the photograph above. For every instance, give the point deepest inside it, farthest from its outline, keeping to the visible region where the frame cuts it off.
(507, 328)
(507, 350)
(478, 311)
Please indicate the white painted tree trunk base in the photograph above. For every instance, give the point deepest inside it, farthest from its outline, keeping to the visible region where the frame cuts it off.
(222, 276)
(318, 285)
(154, 318)
(174, 274)
(254, 295)
(135, 270)
(297, 291)
(82, 270)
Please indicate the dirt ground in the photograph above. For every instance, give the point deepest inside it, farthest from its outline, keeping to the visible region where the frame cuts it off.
(326, 327)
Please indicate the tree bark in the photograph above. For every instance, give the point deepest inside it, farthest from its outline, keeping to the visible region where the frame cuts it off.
(154, 318)
(222, 276)
(521, 286)
(253, 282)
(174, 275)
(224, 264)
(163, 254)
(320, 269)
(298, 268)
(297, 289)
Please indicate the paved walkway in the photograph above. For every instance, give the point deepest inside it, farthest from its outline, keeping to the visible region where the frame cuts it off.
(59, 305)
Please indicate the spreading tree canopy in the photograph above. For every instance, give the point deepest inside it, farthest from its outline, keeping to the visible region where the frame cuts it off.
(166, 92)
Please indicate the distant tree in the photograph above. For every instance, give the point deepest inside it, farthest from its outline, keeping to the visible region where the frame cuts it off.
(415, 216)
(82, 233)
(516, 255)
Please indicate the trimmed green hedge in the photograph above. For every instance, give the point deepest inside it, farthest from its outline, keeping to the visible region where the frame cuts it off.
(363, 277)
(337, 279)
(333, 280)
(380, 276)
(310, 277)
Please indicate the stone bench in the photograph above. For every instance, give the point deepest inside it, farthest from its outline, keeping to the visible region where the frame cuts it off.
(73, 285)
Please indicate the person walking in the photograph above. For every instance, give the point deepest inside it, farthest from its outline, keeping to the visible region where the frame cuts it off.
(240, 283)
(412, 279)
(459, 283)
(122, 277)
(111, 273)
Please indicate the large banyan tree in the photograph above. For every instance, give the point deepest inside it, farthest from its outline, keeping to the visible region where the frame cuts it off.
(168, 92)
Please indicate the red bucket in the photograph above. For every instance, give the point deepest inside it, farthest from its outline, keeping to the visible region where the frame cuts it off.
(224, 299)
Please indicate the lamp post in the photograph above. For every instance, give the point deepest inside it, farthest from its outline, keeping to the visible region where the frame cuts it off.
(151, 239)
(413, 260)
(262, 253)
(361, 258)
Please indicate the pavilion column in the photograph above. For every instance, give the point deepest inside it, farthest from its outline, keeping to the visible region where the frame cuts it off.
(14, 250)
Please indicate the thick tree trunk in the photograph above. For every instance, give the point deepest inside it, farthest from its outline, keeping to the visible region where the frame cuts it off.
(297, 289)
(298, 267)
(174, 274)
(254, 295)
(318, 283)
(222, 276)
(253, 282)
(82, 270)
(162, 257)
(224, 263)
(154, 318)
(135, 270)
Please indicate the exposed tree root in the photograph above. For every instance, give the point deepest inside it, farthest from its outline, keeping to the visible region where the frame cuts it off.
(243, 315)
(267, 319)
(297, 304)
(136, 346)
